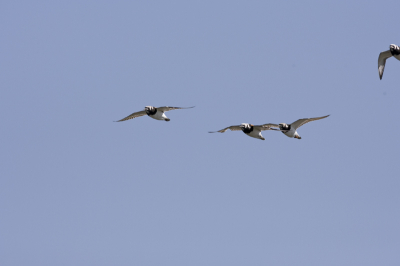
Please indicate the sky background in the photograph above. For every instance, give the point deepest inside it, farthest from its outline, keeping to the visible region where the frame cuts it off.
(78, 189)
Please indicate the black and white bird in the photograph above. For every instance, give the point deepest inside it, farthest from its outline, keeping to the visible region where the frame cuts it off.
(250, 130)
(291, 129)
(156, 113)
(393, 51)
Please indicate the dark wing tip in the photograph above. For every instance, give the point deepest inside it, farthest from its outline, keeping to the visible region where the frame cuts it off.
(324, 116)
(176, 108)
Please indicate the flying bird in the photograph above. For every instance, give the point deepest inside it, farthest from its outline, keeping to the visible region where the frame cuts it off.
(394, 51)
(291, 129)
(155, 113)
(250, 130)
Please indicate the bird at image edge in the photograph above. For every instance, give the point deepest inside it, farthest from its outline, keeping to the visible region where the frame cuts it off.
(393, 51)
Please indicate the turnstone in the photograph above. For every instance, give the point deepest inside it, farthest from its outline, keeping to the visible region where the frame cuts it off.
(394, 51)
(291, 129)
(153, 112)
(250, 130)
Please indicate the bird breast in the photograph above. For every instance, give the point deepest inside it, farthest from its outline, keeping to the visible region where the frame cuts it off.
(290, 133)
(255, 134)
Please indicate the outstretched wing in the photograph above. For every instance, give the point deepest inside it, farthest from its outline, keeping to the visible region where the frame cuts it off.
(267, 127)
(134, 115)
(300, 122)
(270, 127)
(169, 108)
(382, 61)
(233, 128)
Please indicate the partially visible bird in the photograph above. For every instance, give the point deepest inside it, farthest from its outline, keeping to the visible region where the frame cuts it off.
(291, 129)
(156, 113)
(250, 130)
(393, 51)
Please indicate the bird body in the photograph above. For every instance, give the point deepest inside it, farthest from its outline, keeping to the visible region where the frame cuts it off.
(251, 131)
(393, 51)
(155, 113)
(289, 131)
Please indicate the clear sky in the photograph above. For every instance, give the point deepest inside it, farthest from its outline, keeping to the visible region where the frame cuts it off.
(78, 189)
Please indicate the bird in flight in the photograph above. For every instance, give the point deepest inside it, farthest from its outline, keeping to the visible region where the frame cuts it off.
(290, 130)
(393, 51)
(155, 113)
(250, 129)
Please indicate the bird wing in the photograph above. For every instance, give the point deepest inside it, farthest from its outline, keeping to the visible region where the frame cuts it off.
(303, 121)
(233, 128)
(382, 61)
(134, 115)
(267, 127)
(169, 108)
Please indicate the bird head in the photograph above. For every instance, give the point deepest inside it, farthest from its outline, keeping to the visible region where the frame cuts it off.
(150, 110)
(283, 126)
(245, 125)
(394, 47)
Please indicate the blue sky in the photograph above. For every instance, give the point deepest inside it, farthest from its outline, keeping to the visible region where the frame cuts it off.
(78, 189)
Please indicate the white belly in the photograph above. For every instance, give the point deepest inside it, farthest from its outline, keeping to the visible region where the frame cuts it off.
(159, 116)
(291, 133)
(255, 134)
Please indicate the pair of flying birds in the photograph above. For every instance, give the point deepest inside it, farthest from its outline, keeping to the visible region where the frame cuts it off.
(254, 131)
